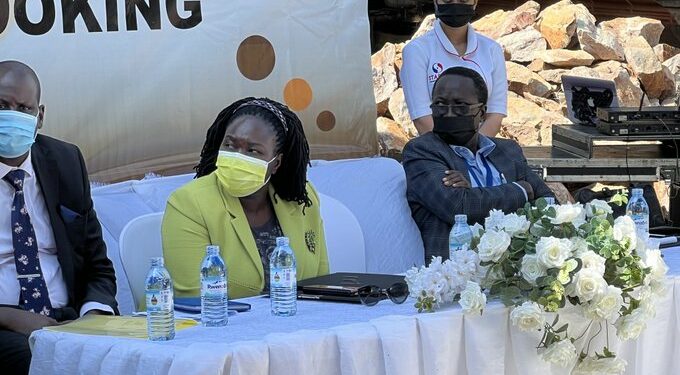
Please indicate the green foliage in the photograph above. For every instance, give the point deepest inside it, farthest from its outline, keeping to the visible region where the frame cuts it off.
(620, 198)
(425, 303)
(622, 269)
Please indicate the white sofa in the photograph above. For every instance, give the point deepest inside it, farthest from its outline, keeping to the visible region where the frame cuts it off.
(373, 189)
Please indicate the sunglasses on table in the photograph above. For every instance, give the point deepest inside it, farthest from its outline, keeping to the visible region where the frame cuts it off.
(370, 295)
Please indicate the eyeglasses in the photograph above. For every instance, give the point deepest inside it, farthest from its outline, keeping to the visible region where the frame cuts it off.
(370, 295)
(455, 110)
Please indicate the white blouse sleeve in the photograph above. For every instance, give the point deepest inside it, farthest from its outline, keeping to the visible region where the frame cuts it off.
(498, 99)
(413, 77)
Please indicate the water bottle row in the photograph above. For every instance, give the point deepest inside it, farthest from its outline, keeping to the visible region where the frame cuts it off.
(214, 290)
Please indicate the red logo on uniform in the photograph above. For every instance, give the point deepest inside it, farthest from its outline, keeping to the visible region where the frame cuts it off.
(437, 68)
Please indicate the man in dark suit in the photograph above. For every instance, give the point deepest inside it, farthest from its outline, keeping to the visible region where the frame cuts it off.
(455, 170)
(53, 263)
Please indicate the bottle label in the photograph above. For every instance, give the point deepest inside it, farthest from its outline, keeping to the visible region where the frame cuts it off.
(159, 300)
(458, 246)
(283, 277)
(641, 222)
(213, 286)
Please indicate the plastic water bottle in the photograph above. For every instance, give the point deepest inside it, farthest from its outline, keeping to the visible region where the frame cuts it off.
(460, 236)
(214, 300)
(638, 210)
(160, 307)
(282, 279)
(550, 201)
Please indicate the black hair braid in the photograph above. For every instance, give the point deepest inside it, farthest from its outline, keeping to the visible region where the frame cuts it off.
(291, 177)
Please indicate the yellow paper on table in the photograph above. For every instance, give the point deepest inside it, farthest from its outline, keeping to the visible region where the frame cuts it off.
(118, 326)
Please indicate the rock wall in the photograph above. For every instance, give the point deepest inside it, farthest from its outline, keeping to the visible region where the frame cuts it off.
(540, 46)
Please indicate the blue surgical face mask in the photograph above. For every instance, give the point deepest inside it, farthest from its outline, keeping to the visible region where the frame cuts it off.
(17, 133)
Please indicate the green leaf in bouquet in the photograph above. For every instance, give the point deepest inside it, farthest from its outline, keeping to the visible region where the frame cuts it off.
(608, 354)
(518, 244)
(552, 306)
(564, 277)
(634, 304)
(535, 294)
(541, 204)
(619, 198)
(539, 231)
(573, 265)
(563, 328)
(511, 295)
(574, 300)
(486, 263)
(550, 338)
(475, 241)
(509, 270)
(567, 231)
(545, 281)
(551, 212)
(563, 302)
(497, 288)
(525, 285)
(606, 252)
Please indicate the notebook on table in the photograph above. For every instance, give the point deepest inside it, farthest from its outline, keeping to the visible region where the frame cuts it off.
(343, 286)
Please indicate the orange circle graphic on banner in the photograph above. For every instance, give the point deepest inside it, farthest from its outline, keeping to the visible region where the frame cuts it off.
(325, 121)
(255, 58)
(297, 94)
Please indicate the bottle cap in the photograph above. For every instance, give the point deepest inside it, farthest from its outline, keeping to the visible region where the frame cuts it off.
(157, 261)
(637, 191)
(461, 218)
(212, 249)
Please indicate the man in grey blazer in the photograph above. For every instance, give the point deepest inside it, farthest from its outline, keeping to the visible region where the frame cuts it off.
(455, 170)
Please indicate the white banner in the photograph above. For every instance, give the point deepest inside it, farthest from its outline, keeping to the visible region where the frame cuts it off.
(136, 83)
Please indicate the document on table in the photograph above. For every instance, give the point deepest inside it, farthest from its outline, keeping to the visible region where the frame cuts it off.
(119, 326)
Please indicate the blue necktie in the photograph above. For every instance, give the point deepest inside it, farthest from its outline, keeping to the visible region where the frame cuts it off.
(34, 296)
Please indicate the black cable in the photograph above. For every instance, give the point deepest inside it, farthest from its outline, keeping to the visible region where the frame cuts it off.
(630, 178)
(677, 158)
(637, 116)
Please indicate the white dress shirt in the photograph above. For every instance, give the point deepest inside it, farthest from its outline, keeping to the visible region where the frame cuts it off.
(477, 164)
(47, 247)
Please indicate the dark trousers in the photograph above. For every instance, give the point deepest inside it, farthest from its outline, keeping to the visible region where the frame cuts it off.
(15, 355)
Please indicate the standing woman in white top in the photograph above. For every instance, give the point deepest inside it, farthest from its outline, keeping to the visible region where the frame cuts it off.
(453, 42)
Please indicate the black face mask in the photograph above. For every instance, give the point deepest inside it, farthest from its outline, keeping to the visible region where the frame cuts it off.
(458, 130)
(455, 15)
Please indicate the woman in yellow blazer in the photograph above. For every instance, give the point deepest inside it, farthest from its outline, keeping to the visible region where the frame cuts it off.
(251, 187)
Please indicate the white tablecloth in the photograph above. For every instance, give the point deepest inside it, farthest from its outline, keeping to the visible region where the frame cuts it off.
(331, 338)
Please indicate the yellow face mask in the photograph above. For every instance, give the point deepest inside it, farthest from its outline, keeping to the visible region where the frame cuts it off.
(241, 175)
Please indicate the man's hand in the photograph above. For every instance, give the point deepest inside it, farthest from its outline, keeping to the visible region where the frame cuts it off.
(23, 322)
(455, 179)
(528, 188)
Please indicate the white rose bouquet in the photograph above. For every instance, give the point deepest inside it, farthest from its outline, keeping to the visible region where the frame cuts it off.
(546, 258)
(442, 281)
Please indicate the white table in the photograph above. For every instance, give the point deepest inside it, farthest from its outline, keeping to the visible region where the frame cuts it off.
(329, 338)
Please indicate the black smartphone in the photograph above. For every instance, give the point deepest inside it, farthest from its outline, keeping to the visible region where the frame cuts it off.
(193, 305)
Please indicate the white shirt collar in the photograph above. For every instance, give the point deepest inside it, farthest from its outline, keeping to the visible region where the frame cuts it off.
(472, 42)
(26, 166)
